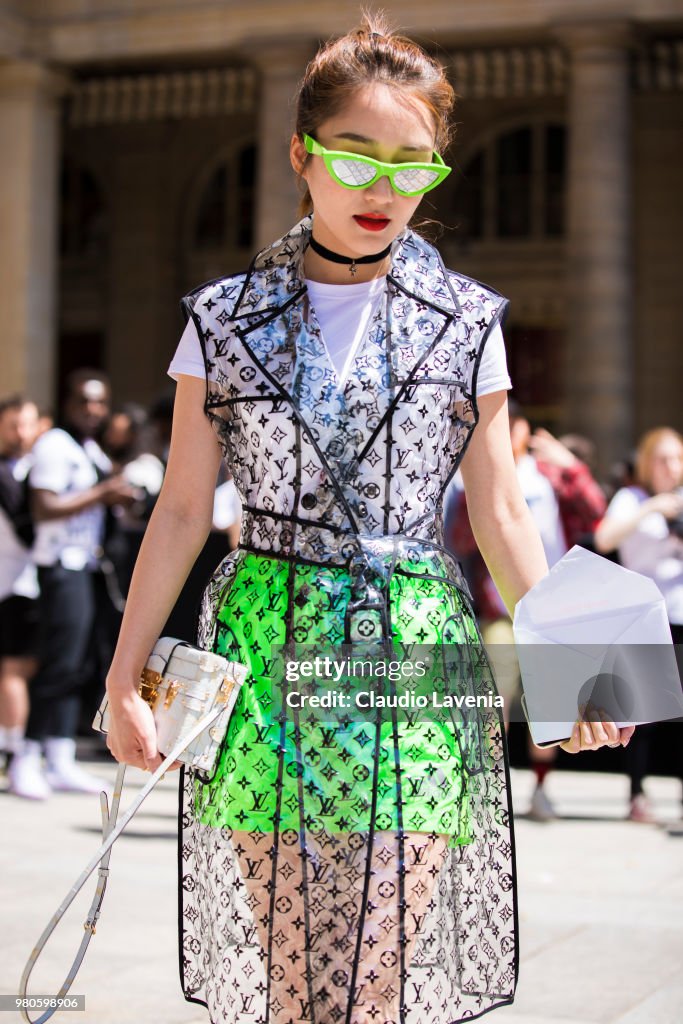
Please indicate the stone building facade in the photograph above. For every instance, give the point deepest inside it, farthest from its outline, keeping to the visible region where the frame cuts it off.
(144, 149)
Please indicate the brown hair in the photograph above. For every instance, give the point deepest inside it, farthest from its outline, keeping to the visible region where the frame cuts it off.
(14, 402)
(646, 449)
(371, 53)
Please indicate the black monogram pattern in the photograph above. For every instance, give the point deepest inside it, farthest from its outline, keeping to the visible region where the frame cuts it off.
(359, 871)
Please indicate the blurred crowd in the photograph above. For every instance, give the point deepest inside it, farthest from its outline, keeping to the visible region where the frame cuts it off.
(635, 517)
(75, 497)
(76, 493)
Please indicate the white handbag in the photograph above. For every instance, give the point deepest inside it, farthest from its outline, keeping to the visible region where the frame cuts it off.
(192, 694)
(182, 683)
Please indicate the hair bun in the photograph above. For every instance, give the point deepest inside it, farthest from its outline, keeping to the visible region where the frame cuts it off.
(375, 23)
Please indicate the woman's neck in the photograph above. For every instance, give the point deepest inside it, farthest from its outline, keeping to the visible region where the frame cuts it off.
(317, 268)
(327, 263)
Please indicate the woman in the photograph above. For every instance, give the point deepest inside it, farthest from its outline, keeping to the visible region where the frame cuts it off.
(361, 868)
(644, 524)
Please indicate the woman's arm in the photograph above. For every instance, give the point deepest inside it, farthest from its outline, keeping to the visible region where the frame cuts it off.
(613, 529)
(47, 505)
(501, 522)
(176, 533)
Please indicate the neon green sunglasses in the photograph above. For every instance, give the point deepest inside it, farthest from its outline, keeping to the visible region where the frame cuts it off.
(355, 171)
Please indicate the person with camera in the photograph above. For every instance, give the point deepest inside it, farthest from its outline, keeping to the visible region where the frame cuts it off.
(644, 524)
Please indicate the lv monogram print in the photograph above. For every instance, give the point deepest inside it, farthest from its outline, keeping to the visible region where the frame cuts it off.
(359, 870)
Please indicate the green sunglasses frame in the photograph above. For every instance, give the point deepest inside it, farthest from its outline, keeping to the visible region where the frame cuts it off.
(381, 169)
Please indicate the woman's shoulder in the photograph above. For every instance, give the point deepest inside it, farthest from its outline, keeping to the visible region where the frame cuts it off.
(465, 285)
(220, 294)
(426, 249)
(420, 266)
(627, 500)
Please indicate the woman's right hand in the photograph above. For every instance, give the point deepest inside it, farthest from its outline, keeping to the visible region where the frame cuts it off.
(668, 503)
(132, 736)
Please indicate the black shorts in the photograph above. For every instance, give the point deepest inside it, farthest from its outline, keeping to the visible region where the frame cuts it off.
(18, 627)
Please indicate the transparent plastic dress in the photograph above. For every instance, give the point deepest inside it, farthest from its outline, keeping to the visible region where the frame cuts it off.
(357, 869)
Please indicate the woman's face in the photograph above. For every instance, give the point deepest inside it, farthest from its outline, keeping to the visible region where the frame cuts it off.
(379, 122)
(666, 465)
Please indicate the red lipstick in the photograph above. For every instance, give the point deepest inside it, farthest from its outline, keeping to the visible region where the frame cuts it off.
(371, 222)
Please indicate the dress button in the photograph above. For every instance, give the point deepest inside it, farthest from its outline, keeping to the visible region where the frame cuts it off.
(362, 509)
(309, 501)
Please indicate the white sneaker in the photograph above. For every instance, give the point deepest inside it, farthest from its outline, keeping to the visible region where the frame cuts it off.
(541, 808)
(63, 772)
(25, 773)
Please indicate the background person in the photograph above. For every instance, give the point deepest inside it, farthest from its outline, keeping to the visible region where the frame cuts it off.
(126, 439)
(644, 523)
(31, 425)
(18, 579)
(70, 487)
(566, 504)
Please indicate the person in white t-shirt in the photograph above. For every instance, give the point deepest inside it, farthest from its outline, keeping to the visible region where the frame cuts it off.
(18, 580)
(70, 485)
(644, 524)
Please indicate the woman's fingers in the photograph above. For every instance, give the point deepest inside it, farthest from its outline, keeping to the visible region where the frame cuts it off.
(573, 744)
(595, 729)
(615, 736)
(132, 735)
(625, 734)
(600, 735)
(589, 728)
(611, 728)
(586, 736)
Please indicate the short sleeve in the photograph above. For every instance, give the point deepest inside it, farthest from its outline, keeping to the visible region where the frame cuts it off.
(188, 356)
(623, 505)
(51, 462)
(493, 372)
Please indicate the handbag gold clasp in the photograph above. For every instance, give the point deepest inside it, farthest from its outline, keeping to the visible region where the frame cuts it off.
(226, 688)
(148, 687)
(171, 693)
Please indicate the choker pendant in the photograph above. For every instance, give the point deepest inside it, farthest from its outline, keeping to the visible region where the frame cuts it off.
(352, 262)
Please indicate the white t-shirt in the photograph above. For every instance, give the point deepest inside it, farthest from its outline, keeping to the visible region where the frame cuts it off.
(343, 312)
(62, 465)
(226, 505)
(651, 548)
(540, 497)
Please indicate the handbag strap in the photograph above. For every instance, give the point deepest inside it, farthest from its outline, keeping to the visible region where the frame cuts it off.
(111, 832)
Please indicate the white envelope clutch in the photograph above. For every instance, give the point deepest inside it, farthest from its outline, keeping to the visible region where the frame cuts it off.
(592, 631)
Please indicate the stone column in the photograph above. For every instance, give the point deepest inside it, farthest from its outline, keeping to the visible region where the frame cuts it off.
(599, 365)
(29, 143)
(282, 66)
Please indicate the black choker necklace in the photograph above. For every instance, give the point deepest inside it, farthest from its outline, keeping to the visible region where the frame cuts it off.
(350, 261)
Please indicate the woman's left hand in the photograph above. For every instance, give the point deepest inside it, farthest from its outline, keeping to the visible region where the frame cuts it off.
(596, 730)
